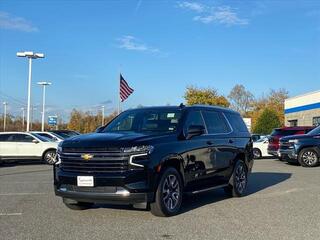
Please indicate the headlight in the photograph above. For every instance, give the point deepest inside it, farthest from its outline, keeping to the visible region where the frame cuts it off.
(139, 149)
(294, 141)
(58, 159)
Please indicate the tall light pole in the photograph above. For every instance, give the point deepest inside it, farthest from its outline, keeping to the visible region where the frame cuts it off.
(43, 84)
(4, 115)
(102, 120)
(22, 109)
(30, 56)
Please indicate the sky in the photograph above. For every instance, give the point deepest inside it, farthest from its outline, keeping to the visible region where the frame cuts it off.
(160, 47)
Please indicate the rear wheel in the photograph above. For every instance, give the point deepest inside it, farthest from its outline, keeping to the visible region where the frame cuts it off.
(257, 153)
(50, 157)
(308, 157)
(168, 197)
(238, 181)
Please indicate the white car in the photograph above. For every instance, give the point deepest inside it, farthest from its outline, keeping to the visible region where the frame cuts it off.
(260, 148)
(53, 137)
(25, 146)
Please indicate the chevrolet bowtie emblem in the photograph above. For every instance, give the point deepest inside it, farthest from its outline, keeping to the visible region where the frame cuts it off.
(86, 157)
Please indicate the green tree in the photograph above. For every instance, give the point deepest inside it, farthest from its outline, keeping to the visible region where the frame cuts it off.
(209, 96)
(267, 121)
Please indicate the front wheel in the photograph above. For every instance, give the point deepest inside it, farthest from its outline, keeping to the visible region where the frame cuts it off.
(308, 157)
(238, 181)
(50, 157)
(168, 197)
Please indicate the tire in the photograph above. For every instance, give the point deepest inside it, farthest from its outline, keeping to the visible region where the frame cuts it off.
(78, 205)
(238, 181)
(256, 153)
(169, 193)
(309, 157)
(49, 157)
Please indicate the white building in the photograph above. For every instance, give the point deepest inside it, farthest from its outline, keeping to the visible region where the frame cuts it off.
(303, 110)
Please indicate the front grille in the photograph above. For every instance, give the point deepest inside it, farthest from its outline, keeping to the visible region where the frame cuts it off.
(286, 145)
(101, 162)
(104, 189)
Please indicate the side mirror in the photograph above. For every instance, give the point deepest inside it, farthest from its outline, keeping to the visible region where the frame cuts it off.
(99, 129)
(195, 130)
(35, 141)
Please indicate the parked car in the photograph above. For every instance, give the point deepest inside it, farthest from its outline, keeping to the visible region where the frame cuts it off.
(260, 148)
(277, 133)
(154, 155)
(26, 146)
(255, 137)
(53, 137)
(303, 149)
(65, 133)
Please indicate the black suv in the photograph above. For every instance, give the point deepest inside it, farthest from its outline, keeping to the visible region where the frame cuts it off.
(151, 156)
(303, 149)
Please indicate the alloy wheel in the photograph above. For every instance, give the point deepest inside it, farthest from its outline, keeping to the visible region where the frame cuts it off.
(310, 158)
(256, 153)
(171, 192)
(50, 157)
(240, 178)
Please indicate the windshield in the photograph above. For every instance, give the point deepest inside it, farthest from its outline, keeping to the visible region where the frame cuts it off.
(154, 121)
(315, 131)
(42, 138)
(263, 139)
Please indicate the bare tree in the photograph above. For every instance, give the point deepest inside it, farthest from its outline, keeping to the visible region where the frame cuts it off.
(241, 99)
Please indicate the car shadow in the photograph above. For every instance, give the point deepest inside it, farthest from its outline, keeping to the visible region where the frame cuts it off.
(258, 181)
(12, 164)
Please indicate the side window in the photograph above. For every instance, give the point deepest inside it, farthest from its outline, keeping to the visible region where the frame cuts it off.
(215, 122)
(4, 137)
(193, 118)
(237, 122)
(23, 138)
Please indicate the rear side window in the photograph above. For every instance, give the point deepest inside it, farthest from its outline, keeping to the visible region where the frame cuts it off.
(237, 123)
(215, 122)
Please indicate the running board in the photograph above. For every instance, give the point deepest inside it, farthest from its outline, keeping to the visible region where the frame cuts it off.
(207, 189)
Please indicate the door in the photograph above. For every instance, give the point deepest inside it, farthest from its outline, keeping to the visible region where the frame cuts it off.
(8, 148)
(26, 147)
(222, 149)
(196, 155)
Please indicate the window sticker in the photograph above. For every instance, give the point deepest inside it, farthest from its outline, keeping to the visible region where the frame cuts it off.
(170, 115)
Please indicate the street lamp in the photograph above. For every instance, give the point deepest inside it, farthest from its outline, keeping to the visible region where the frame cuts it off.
(4, 115)
(43, 84)
(30, 56)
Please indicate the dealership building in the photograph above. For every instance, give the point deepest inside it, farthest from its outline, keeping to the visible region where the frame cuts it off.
(303, 110)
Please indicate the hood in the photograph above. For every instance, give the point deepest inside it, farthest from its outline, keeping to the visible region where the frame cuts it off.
(97, 140)
(293, 137)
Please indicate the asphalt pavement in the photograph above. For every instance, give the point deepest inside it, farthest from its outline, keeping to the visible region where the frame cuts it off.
(283, 202)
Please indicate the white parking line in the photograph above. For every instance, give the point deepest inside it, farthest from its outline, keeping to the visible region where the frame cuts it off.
(17, 194)
(10, 214)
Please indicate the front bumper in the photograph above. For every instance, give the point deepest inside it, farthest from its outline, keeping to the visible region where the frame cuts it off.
(289, 155)
(275, 153)
(121, 196)
(126, 188)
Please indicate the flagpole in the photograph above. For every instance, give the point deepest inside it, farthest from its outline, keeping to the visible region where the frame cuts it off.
(119, 99)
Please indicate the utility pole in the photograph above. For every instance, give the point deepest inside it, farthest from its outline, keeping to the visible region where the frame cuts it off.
(102, 120)
(4, 115)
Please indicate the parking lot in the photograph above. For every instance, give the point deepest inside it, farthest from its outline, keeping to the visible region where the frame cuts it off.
(282, 203)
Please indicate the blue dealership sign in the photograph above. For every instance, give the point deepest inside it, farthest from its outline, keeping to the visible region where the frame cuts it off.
(52, 120)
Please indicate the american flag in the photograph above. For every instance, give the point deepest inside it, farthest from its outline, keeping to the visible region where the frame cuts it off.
(125, 90)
